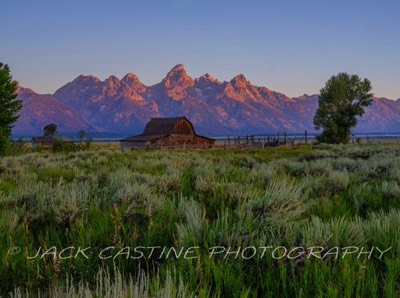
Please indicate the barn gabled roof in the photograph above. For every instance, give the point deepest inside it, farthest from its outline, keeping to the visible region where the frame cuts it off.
(157, 128)
(142, 138)
(161, 126)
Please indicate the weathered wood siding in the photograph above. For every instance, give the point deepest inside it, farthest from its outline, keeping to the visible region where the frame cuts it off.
(168, 132)
(203, 140)
(183, 127)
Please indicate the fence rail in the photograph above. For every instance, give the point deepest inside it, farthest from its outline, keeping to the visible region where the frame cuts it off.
(281, 138)
(249, 141)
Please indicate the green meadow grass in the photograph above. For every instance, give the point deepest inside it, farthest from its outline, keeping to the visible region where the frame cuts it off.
(300, 196)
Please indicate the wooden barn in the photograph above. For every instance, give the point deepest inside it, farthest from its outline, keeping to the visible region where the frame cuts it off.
(48, 141)
(168, 132)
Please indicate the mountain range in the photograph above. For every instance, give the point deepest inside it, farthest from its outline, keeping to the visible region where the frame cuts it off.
(215, 108)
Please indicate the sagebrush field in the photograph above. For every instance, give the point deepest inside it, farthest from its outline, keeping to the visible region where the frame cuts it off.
(286, 199)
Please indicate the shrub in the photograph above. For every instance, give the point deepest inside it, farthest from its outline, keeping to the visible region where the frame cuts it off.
(338, 180)
(283, 202)
(297, 168)
(336, 232)
(390, 190)
(320, 166)
(60, 146)
(262, 174)
(53, 174)
(345, 163)
(360, 197)
(383, 228)
(190, 229)
(18, 147)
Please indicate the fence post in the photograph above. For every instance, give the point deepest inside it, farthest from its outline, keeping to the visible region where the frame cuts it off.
(305, 136)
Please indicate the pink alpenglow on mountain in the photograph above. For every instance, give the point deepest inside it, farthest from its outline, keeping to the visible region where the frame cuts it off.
(214, 107)
(40, 110)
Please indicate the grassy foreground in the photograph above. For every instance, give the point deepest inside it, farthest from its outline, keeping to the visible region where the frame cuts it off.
(281, 222)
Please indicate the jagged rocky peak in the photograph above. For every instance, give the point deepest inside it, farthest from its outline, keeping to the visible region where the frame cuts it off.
(178, 67)
(305, 96)
(177, 70)
(235, 106)
(112, 80)
(131, 83)
(207, 78)
(86, 79)
(111, 86)
(240, 81)
(80, 87)
(178, 76)
(130, 79)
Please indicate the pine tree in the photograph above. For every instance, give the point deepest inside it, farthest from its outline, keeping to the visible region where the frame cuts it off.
(9, 106)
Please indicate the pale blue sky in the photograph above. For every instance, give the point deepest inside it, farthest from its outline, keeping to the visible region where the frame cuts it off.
(288, 46)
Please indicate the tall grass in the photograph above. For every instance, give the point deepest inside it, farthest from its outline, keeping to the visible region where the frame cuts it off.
(281, 197)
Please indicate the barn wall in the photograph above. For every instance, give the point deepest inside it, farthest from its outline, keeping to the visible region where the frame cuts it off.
(183, 127)
(177, 133)
(202, 140)
(174, 139)
(42, 144)
(182, 139)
